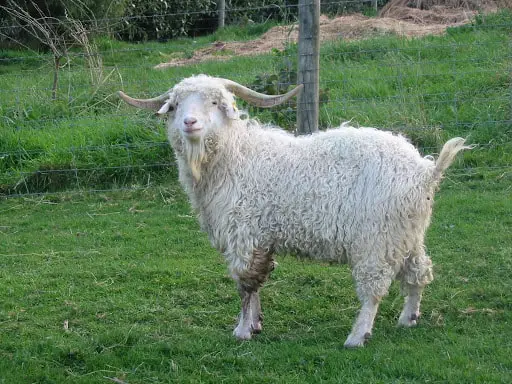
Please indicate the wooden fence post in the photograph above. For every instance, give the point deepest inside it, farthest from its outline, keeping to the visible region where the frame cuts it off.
(221, 9)
(308, 66)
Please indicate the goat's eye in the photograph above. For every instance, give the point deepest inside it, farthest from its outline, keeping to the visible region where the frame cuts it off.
(214, 103)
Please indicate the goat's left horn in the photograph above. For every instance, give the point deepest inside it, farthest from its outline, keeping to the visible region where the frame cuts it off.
(260, 99)
(154, 104)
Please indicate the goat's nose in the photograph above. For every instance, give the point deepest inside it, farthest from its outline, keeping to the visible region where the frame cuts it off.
(190, 121)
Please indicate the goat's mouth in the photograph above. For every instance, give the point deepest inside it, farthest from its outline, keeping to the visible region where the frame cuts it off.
(192, 131)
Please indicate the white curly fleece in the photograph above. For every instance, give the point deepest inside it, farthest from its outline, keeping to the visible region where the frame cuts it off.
(360, 196)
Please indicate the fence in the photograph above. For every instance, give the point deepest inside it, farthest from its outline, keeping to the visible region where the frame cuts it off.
(63, 128)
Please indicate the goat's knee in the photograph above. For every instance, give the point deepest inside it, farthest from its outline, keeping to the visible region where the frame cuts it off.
(416, 271)
(372, 280)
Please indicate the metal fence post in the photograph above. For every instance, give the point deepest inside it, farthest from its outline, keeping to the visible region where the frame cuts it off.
(308, 66)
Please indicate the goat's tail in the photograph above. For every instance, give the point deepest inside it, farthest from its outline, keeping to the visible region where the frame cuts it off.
(448, 153)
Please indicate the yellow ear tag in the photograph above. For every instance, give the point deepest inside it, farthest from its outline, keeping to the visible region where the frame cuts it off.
(234, 106)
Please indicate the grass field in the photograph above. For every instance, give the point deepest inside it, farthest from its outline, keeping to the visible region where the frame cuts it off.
(121, 286)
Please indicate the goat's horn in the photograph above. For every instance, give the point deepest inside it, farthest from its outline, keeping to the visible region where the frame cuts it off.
(259, 99)
(153, 104)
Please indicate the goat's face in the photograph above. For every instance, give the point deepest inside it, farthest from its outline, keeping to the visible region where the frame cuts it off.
(197, 115)
(199, 107)
(202, 103)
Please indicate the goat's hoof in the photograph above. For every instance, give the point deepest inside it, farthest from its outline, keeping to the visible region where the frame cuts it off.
(408, 320)
(357, 341)
(257, 328)
(242, 334)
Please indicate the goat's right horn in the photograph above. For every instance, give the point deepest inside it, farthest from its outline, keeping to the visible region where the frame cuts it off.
(154, 104)
(259, 99)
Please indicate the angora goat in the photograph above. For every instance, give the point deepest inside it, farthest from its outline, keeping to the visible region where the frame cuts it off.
(357, 196)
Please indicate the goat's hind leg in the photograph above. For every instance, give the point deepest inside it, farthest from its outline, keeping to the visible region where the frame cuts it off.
(416, 273)
(372, 284)
(411, 311)
(362, 328)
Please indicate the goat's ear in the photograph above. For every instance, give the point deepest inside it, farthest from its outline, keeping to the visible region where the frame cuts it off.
(230, 109)
(167, 107)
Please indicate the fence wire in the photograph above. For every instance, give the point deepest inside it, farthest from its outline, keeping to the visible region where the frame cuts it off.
(63, 128)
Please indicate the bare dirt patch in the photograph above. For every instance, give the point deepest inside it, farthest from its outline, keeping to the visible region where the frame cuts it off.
(398, 20)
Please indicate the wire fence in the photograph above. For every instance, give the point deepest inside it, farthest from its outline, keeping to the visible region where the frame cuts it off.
(62, 127)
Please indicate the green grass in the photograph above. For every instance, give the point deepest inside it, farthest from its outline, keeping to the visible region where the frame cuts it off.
(429, 88)
(123, 285)
(146, 300)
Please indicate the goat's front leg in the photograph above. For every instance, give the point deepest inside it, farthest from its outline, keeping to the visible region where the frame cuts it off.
(243, 329)
(249, 283)
(249, 321)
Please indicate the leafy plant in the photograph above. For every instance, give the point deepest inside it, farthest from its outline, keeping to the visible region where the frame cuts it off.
(165, 19)
(283, 79)
(59, 35)
(260, 11)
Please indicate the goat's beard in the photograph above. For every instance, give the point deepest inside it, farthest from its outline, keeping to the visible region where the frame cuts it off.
(195, 153)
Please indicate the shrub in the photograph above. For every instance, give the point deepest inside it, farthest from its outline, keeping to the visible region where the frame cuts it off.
(281, 80)
(95, 15)
(259, 11)
(165, 19)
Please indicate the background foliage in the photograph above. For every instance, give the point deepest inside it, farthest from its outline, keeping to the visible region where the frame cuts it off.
(142, 20)
(165, 19)
(98, 16)
(431, 89)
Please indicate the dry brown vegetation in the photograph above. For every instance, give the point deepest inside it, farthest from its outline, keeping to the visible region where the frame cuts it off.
(408, 18)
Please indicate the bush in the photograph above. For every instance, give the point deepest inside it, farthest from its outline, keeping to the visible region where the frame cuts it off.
(141, 20)
(334, 8)
(259, 11)
(95, 15)
(165, 19)
(282, 79)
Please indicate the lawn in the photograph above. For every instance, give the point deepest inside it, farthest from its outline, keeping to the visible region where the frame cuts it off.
(124, 285)
(105, 276)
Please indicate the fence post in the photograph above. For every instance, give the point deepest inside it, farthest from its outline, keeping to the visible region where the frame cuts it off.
(308, 66)
(374, 5)
(221, 9)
